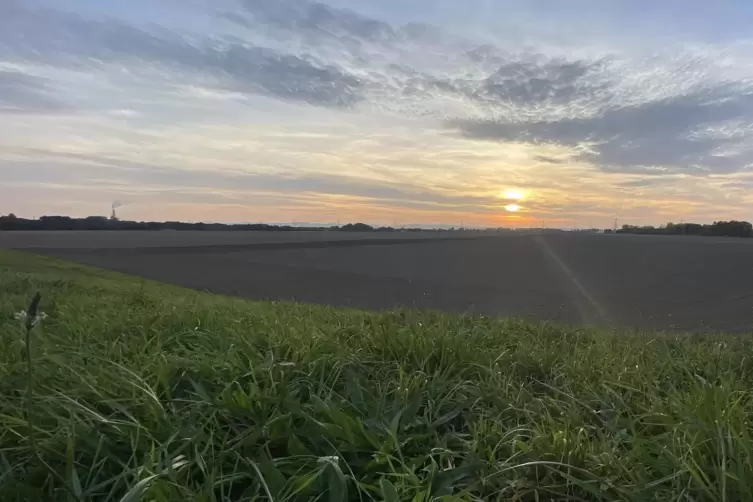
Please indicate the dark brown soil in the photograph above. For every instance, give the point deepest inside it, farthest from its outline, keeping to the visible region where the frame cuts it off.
(694, 284)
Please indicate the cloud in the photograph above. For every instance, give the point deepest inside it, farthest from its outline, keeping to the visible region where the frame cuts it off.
(546, 159)
(23, 93)
(65, 39)
(656, 136)
(302, 15)
(529, 83)
(622, 113)
(58, 166)
(652, 181)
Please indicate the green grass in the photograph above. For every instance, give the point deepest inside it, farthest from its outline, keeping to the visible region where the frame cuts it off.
(149, 392)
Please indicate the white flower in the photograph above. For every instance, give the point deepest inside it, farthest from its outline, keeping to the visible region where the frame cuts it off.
(21, 316)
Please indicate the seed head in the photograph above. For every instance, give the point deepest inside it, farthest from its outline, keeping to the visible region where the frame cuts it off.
(31, 313)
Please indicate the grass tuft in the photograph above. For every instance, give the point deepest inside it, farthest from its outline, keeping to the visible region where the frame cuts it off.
(143, 391)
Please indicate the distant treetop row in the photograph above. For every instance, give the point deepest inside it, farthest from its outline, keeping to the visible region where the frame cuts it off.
(12, 222)
(718, 228)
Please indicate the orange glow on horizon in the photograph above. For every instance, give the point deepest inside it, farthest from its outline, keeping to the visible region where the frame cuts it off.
(326, 214)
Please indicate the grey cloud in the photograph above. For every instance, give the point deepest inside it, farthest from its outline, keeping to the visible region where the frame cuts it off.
(555, 81)
(318, 17)
(642, 137)
(548, 160)
(360, 39)
(745, 184)
(648, 182)
(236, 18)
(22, 93)
(321, 19)
(524, 83)
(61, 38)
(427, 33)
(486, 54)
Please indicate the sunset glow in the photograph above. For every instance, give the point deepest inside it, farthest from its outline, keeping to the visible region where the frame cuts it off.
(514, 194)
(384, 112)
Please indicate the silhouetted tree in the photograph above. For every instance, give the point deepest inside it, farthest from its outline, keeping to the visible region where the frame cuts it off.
(718, 228)
(357, 227)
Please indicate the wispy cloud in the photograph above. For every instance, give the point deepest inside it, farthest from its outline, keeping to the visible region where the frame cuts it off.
(57, 38)
(653, 136)
(23, 93)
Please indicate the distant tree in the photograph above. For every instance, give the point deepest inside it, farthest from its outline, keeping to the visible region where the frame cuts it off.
(9, 222)
(718, 228)
(357, 227)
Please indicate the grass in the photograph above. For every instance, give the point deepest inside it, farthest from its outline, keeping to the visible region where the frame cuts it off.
(150, 392)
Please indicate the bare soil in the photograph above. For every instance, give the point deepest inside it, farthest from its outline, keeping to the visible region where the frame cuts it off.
(660, 282)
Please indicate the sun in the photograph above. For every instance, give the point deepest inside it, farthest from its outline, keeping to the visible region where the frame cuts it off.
(513, 208)
(513, 194)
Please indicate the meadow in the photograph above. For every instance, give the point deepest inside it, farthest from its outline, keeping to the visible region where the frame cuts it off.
(127, 389)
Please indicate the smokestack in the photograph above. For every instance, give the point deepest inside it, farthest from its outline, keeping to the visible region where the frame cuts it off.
(116, 204)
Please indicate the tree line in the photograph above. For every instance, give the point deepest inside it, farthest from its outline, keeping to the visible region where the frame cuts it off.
(12, 222)
(731, 228)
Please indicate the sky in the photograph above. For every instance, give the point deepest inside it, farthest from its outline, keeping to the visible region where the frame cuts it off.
(390, 112)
